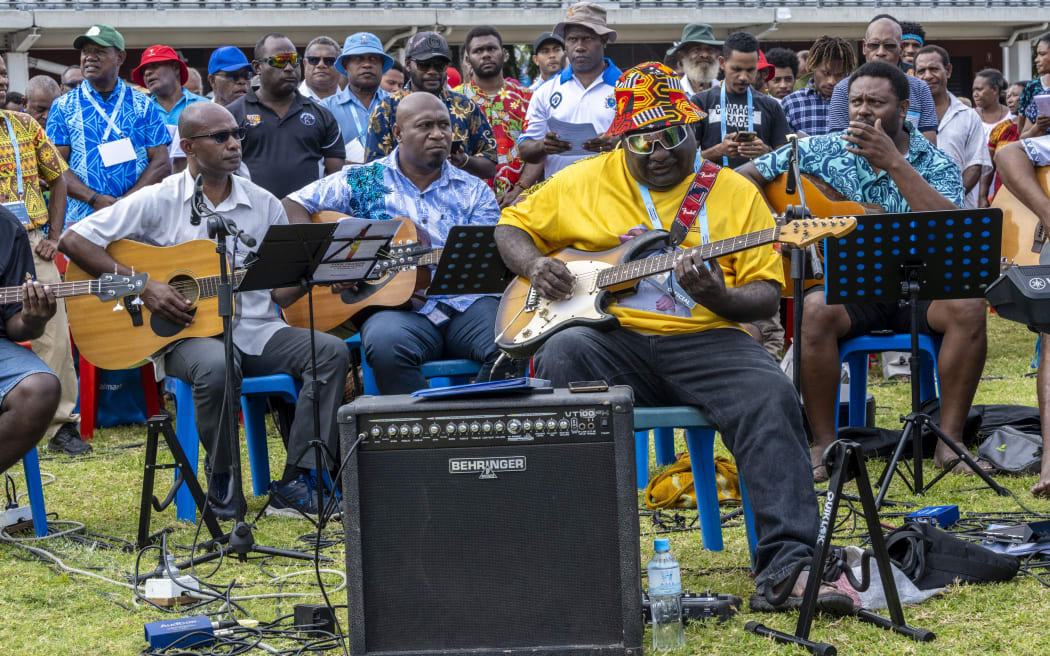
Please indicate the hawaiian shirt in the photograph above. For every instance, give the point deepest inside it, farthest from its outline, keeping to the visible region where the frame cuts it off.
(40, 159)
(506, 114)
(1027, 106)
(75, 122)
(826, 157)
(469, 125)
(379, 190)
(807, 111)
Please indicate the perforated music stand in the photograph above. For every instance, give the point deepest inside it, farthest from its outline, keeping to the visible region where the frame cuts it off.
(470, 263)
(917, 256)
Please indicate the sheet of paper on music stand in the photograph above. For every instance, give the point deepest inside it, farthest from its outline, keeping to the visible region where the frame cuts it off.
(575, 133)
(1042, 103)
(351, 260)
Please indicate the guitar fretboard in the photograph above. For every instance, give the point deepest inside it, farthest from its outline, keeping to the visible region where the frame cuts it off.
(209, 285)
(636, 269)
(62, 289)
(430, 258)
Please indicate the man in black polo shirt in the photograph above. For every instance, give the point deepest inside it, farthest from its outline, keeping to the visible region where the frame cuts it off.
(288, 133)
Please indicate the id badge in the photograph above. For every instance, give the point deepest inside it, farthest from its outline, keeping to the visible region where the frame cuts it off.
(913, 117)
(355, 152)
(19, 209)
(116, 152)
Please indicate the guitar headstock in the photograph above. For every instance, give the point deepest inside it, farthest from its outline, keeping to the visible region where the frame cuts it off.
(400, 256)
(806, 231)
(113, 286)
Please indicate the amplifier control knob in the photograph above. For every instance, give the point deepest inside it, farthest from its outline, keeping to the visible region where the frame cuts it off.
(527, 425)
(486, 427)
(417, 429)
(463, 427)
(435, 429)
(563, 424)
(551, 424)
(391, 430)
(450, 428)
(514, 425)
(498, 426)
(475, 427)
(404, 430)
(376, 431)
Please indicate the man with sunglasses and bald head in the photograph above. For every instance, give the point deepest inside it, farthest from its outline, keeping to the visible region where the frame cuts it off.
(160, 215)
(680, 340)
(292, 139)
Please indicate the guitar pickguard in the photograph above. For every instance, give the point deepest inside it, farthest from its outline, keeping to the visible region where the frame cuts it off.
(548, 315)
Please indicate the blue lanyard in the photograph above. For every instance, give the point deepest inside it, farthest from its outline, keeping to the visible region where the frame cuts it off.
(18, 156)
(357, 121)
(750, 121)
(654, 218)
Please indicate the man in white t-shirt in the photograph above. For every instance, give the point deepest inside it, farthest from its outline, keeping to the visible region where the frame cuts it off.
(580, 97)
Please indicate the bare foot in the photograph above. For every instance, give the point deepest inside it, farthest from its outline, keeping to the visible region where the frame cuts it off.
(1042, 488)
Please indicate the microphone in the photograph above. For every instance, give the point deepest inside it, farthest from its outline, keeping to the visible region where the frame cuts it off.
(791, 184)
(198, 200)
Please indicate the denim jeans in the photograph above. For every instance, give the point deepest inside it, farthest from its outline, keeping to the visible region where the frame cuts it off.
(741, 390)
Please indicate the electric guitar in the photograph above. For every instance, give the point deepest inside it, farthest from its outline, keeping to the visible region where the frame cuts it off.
(108, 287)
(1023, 234)
(395, 279)
(126, 334)
(525, 319)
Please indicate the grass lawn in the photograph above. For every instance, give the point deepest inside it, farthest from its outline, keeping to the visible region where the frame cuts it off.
(46, 611)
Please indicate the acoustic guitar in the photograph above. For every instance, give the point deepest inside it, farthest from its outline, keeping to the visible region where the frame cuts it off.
(396, 278)
(1023, 234)
(108, 287)
(126, 334)
(525, 319)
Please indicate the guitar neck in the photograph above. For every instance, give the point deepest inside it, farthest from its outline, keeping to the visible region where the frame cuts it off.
(430, 258)
(209, 285)
(637, 269)
(62, 289)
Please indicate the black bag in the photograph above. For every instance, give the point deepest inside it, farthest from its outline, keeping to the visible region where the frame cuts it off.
(1013, 451)
(932, 558)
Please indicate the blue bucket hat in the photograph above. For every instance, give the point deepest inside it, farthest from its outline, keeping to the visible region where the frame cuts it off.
(363, 43)
(227, 59)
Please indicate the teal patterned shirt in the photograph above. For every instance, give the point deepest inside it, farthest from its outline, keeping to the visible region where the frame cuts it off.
(826, 157)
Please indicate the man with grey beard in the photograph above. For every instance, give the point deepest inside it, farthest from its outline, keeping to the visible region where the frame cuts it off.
(697, 53)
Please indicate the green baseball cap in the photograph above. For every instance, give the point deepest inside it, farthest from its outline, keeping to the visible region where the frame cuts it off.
(103, 35)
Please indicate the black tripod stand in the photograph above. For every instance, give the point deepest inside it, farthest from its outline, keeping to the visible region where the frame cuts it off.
(918, 256)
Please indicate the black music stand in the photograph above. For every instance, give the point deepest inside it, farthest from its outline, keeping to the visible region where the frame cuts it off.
(917, 256)
(470, 264)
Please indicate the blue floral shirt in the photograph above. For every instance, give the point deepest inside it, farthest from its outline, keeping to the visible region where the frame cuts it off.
(379, 190)
(75, 122)
(827, 158)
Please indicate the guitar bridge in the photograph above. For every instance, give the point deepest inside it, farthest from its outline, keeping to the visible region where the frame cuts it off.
(532, 301)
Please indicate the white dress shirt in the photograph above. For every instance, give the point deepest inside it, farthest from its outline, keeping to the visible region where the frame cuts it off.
(960, 134)
(160, 215)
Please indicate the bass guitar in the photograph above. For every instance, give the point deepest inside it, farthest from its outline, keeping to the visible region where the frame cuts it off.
(126, 334)
(108, 287)
(525, 319)
(395, 279)
(1023, 234)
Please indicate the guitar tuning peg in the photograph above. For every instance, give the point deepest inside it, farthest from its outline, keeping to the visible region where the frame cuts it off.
(137, 301)
(118, 307)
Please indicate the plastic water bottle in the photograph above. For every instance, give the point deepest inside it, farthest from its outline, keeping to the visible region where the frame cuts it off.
(665, 598)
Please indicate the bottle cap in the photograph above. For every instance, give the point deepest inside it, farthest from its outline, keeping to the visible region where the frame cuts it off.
(661, 544)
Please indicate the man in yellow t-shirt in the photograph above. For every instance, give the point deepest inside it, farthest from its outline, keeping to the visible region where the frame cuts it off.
(680, 340)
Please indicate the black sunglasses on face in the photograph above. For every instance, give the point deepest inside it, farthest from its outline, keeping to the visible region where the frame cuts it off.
(222, 136)
(314, 61)
(432, 64)
(237, 76)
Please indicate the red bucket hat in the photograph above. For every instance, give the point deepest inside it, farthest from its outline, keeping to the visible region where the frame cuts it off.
(763, 64)
(156, 54)
(650, 97)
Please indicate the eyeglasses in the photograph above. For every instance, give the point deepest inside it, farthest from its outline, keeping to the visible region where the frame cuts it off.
(888, 46)
(236, 76)
(435, 64)
(643, 144)
(314, 61)
(281, 61)
(222, 136)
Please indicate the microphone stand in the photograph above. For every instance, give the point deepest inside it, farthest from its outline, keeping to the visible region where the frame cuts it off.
(798, 263)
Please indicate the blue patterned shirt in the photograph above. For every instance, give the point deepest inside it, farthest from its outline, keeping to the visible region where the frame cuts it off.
(921, 111)
(379, 190)
(469, 125)
(74, 122)
(826, 157)
(807, 111)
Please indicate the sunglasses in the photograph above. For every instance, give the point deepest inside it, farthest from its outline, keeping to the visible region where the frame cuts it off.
(314, 61)
(874, 46)
(222, 136)
(435, 64)
(280, 61)
(236, 76)
(643, 144)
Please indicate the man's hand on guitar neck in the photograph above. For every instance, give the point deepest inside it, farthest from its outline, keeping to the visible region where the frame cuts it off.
(162, 299)
(551, 278)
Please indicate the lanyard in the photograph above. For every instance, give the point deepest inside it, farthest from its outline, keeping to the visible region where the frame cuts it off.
(18, 156)
(109, 119)
(750, 121)
(650, 208)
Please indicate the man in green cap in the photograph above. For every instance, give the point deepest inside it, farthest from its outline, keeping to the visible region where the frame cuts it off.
(112, 136)
(698, 52)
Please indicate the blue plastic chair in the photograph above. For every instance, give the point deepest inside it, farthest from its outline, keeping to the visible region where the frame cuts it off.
(700, 441)
(35, 487)
(439, 373)
(855, 353)
(254, 391)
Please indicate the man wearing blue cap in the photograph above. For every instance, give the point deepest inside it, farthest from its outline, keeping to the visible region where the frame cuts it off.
(363, 62)
(228, 74)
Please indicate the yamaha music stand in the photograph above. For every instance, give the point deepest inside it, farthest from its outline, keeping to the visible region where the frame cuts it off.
(470, 264)
(915, 256)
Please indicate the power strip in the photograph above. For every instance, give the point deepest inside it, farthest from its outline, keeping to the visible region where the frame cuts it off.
(14, 516)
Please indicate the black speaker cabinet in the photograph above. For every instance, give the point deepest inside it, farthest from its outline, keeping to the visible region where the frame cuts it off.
(485, 526)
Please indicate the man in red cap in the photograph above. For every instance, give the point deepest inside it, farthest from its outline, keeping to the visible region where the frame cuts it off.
(164, 74)
(679, 341)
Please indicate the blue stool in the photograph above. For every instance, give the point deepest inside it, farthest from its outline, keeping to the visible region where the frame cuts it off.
(253, 406)
(35, 487)
(700, 441)
(855, 353)
(440, 373)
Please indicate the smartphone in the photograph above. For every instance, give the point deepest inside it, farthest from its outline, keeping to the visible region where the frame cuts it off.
(457, 146)
(579, 386)
(746, 136)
